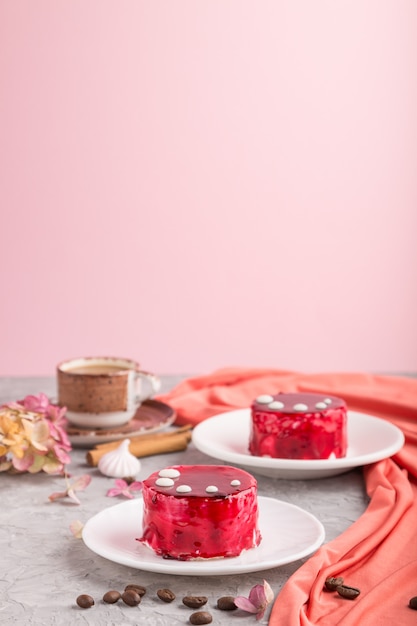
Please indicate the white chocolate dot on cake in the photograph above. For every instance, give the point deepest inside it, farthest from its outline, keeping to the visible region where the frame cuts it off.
(276, 405)
(327, 400)
(212, 489)
(183, 489)
(300, 406)
(164, 482)
(169, 473)
(264, 399)
(321, 405)
(235, 482)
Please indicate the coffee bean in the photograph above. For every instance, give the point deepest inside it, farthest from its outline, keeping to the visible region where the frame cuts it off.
(85, 601)
(348, 592)
(413, 603)
(195, 602)
(201, 617)
(130, 597)
(226, 603)
(332, 583)
(138, 588)
(166, 595)
(112, 596)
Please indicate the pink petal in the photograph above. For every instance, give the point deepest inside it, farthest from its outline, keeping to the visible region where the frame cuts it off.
(56, 413)
(52, 466)
(257, 596)
(57, 494)
(245, 604)
(269, 594)
(61, 455)
(76, 527)
(120, 483)
(59, 434)
(23, 464)
(81, 483)
(261, 613)
(135, 486)
(72, 496)
(38, 404)
(14, 405)
(126, 493)
(113, 492)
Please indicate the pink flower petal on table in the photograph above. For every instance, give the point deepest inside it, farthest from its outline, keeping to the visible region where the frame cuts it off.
(71, 495)
(259, 598)
(57, 495)
(81, 483)
(76, 527)
(78, 485)
(135, 486)
(122, 488)
(245, 604)
(257, 595)
(269, 594)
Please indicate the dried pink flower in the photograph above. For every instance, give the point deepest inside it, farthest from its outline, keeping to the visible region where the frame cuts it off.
(259, 598)
(123, 488)
(33, 437)
(80, 484)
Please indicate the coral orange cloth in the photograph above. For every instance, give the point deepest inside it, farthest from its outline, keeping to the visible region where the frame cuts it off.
(378, 553)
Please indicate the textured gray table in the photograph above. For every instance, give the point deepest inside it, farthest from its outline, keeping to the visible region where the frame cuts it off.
(43, 567)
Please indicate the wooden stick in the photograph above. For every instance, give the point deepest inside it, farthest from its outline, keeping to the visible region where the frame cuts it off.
(146, 445)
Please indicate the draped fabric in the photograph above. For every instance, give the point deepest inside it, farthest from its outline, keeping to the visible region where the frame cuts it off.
(378, 553)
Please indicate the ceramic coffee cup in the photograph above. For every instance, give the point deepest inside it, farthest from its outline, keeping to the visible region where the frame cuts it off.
(103, 392)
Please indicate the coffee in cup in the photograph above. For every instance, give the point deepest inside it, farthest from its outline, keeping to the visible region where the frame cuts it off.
(103, 392)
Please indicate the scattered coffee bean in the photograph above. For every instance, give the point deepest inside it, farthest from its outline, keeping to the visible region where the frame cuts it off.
(201, 617)
(166, 595)
(332, 583)
(130, 597)
(112, 596)
(413, 603)
(195, 602)
(138, 588)
(85, 601)
(226, 603)
(348, 592)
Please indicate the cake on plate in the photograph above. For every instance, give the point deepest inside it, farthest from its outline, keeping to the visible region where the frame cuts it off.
(298, 426)
(200, 512)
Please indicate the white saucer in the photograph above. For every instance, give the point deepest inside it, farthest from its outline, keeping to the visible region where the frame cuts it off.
(151, 417)
(288, 534)
(226, 437)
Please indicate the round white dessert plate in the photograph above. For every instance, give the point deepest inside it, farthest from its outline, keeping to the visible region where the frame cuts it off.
(226, 437)
(288, 533)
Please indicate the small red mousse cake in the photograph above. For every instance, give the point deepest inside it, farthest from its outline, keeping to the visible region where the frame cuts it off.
(200, 512)
(298, 426)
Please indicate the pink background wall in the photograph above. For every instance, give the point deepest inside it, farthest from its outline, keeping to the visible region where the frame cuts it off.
(203, 184)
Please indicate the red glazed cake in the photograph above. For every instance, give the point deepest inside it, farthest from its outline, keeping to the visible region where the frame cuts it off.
(298, 426)
(200, 512)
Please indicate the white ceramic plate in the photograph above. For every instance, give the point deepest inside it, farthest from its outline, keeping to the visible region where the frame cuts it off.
(288, 533)
(226, 437)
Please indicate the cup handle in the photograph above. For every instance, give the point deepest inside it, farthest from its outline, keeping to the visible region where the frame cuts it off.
(154, 385)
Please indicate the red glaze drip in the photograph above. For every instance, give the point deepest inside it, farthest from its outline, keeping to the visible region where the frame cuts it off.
(200, 524)
(291, 434)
